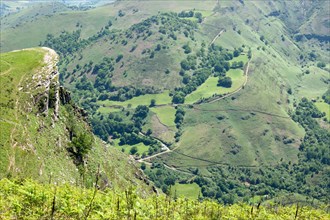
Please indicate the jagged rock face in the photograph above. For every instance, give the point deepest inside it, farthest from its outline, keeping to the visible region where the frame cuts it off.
(47, 85)
(64, 96)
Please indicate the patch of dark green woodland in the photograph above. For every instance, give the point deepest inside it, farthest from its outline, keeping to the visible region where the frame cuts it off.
(315, 145)
(179, 117)
(309, 177)
(190, 14)
(69, 43)
(215, 61)
(66, 43)
(225, 82)
(162, 177)
(126, 126)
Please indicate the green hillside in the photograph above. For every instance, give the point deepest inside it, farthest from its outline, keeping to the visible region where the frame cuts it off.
(45, 136)
(223, 94)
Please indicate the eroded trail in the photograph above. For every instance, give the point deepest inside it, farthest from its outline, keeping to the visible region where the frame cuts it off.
(165, 149)
(216, 37)
(7, 71)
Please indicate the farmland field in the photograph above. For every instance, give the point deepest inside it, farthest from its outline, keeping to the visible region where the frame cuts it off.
(209, 87)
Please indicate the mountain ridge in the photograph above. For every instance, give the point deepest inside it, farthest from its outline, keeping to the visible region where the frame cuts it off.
(50, 139)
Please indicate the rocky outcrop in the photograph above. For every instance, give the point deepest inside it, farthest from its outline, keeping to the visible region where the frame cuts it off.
(46, 85)
(64, 96)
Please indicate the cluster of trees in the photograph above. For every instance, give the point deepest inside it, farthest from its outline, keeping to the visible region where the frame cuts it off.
(128, 92)
(215, 61)
(224, 81)
(197, 79)
(190, 63)
(162, 178)
(66, 43)
(315, 145)
(103, 72)
(166, 23)
(190, 14)
(186, 14)
(125, 125)
(179, 116)
(171, 26)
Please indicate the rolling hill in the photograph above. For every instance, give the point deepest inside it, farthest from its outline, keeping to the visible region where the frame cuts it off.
(171, 56)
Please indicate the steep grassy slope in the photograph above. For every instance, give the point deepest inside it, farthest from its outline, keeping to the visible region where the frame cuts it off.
(45, 136)
(28, 199)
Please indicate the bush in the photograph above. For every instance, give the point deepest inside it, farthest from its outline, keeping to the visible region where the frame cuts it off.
(178, 97)
(119, 57)
(152, 103)
(225, 82)
(133, 150)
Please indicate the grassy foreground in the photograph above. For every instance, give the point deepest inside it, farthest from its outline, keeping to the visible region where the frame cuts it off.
(30, 200)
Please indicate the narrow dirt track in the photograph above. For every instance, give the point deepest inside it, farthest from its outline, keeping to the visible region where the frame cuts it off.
(216, 37)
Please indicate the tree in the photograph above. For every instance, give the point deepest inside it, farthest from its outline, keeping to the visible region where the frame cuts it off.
(236, 53)
(141, 111)
(321, 64)
(149, 132)
(186, 48)
(121, 13)
(185, 65)
(186, 79)
(133, 150)
(152, 103)
(119, 57)
(81, 145)
(178, 97)
(143, 166)
(225, 82)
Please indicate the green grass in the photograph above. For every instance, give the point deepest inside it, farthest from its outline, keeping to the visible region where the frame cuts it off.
(162, 98)
(190, 191)
(73, 202)
(209, 87)
(142, 148)
(205, 13)
(324, 107)
(15, 66)
(313, 85)
(166, 115)
(241, 57)
(159, 129)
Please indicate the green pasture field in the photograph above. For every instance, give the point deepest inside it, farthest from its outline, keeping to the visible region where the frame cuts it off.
(191, 190)
(210, 88)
